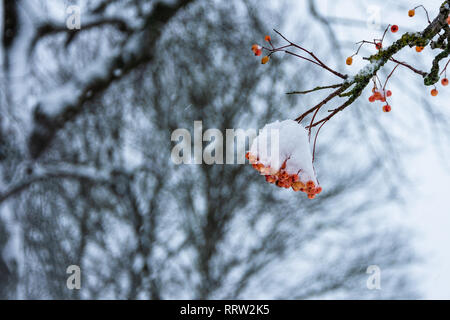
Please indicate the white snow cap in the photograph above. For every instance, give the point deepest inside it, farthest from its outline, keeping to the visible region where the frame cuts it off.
(285, 141)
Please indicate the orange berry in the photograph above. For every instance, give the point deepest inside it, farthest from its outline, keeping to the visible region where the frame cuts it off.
(378, 45)
(310, 184)
(448, 19)
(318, 190)
(267, 38)
(349, 61)
(394, 28)
(374, 90)
(311, 195)
(388, 93)
(419, 48)
(434, 92)
(294, 177)
(444, 82)
(372, 98)
(298, 186)
(411, 13)
(283, 166)
(386, 108)
(265, 59)
(284, 176)
(247, 155)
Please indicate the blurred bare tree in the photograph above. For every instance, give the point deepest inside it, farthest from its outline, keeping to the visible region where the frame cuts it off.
(91, 182)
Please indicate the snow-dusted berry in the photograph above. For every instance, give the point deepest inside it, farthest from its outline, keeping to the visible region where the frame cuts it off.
(257, 49)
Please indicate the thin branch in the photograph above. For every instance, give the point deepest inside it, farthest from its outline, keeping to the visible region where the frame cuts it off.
(319, 62)
(422, 73)
(316, 89)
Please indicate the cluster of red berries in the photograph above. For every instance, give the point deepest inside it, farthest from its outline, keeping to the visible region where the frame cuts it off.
(257, 50)
(282, 179)
(381, 96)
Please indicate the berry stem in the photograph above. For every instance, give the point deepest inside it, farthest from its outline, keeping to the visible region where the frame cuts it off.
(426, 12)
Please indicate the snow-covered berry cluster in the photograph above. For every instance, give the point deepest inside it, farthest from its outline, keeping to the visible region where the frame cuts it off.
(289, 162)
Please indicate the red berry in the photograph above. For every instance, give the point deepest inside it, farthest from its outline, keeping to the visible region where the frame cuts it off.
(388, 93)
(372, 98)
(310, 184)
(444, 82)
(434, 92)
(387, 108)
(379, 45)
(394, 28)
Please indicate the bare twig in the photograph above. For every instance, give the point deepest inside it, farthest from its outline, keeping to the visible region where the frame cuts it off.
(316, 89)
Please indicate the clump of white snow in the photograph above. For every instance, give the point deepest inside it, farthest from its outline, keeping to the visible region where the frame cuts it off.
(285, 143)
